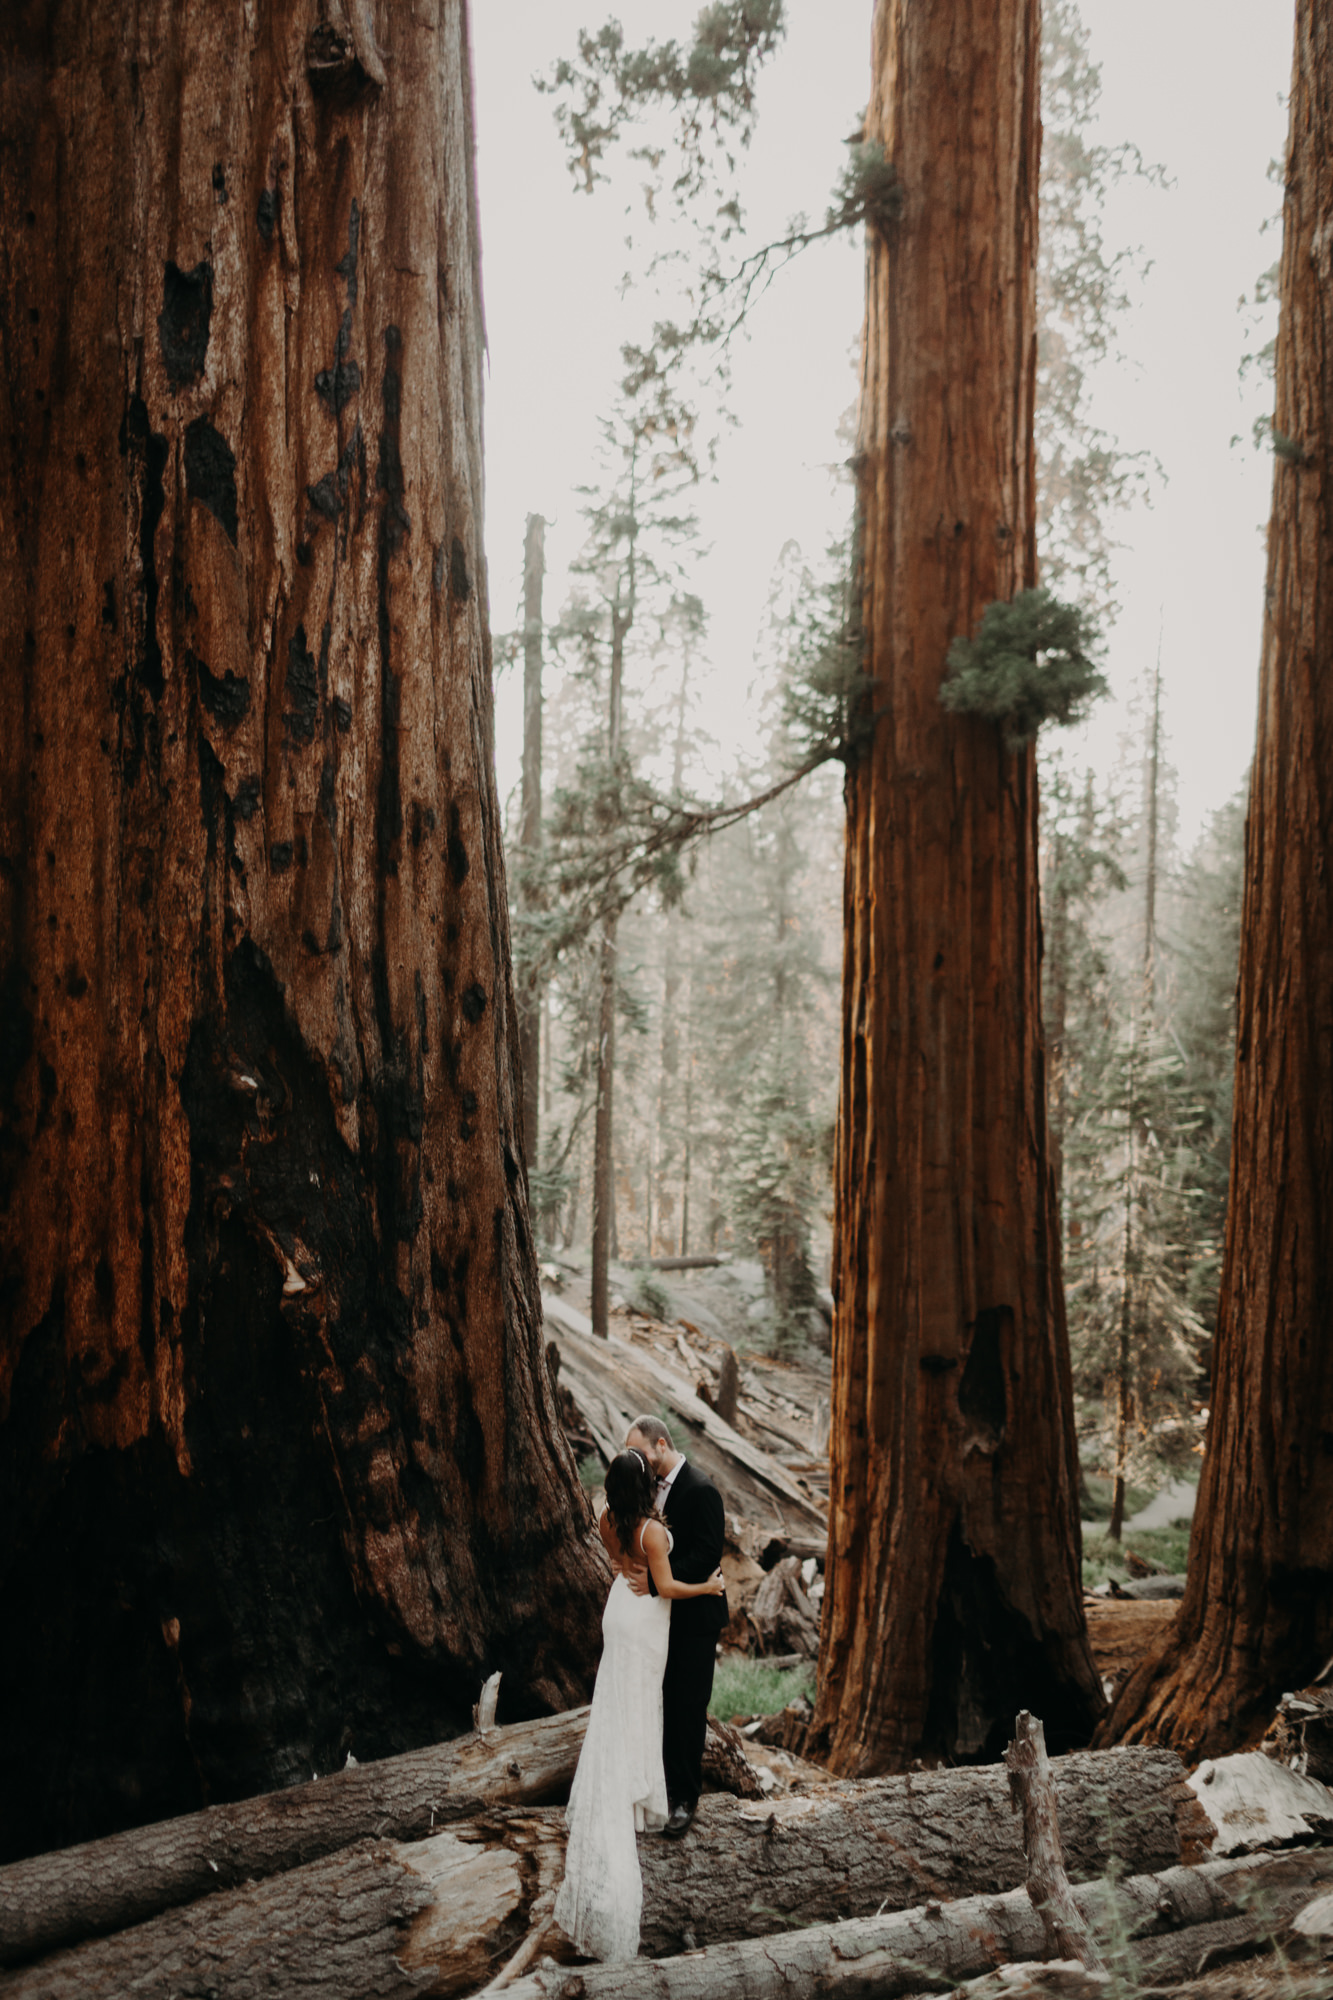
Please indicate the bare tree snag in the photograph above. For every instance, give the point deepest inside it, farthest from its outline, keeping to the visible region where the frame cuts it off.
(879, 1958)
(1257, 1614)
(281, 1474)
(1033, 1786)
(954, 1595)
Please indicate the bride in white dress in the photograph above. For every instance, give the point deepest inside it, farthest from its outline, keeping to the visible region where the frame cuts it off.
(619, 1788)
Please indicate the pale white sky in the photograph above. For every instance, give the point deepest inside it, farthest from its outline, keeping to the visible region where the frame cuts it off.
(1195, 83)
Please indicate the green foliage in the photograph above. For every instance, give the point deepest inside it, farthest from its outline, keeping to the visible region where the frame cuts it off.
(1028, 664)
(743, 1686)
(1165, 1550)
(1129, 1258)
(1084, 476)
(827, 695)
(867, 190)
(1206, 946)
(1290, 450)
(591, 1472)
(709, 84)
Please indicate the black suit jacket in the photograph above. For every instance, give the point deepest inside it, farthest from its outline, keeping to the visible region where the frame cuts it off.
(698, 1524)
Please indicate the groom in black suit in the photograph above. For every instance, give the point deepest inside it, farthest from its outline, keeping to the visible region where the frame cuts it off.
(692, 1508)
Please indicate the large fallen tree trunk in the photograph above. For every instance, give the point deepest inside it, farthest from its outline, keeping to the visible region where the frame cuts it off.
(55, 1900)
(461, 1901)
(878, 1958)
(612, 1382)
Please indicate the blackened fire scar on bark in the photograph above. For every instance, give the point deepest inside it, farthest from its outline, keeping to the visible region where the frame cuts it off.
(210, 473)
(227, 699)
(302, 689)
(266, 213)
(183, 323)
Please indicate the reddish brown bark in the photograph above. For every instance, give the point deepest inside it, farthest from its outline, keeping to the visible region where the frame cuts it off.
(280, 1471)
(1257, 1615)
(954, 1592)
(530, 986)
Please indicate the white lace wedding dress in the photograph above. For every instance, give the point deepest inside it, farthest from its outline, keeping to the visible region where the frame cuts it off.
(619, 1788)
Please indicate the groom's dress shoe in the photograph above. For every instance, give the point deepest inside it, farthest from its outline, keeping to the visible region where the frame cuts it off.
(680, 1821)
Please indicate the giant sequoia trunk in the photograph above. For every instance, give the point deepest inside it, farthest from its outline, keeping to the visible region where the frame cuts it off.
(953, 1585)
(1257, 1615)
(280, 1472)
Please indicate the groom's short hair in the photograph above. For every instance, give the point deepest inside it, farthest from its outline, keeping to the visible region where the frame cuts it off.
(653, 1429)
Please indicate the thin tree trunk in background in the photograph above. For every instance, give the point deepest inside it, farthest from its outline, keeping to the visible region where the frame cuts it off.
(274, 1408)
(1124, 1352)
(603, 1155)
(1257, 1615)
(1150, 870)
(954, 1593)
(669, 1078)
(685, 1163)
(529, 988)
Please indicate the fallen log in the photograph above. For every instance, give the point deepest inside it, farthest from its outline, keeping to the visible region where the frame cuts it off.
(1301, 1734)
(781, 1615)
(612, 1382)
(462, 1901)
(704, 1263)
(881, 1958)
(1256, 1803)
(59, 1899)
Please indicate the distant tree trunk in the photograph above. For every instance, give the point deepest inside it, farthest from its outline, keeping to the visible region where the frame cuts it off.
(954, 1593)
(281, 1474)
(529, 992)
(1257, 1616)
(603, 1145)
(1123, 1379)
(669, 1074)
(1150, 870)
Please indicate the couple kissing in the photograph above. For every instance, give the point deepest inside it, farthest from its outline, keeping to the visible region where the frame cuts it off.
(641, 1766)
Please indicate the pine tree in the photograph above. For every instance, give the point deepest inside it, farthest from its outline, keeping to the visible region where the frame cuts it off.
(1205, 945)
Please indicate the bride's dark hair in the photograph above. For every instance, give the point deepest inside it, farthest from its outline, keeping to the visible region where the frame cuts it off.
(629, 1496)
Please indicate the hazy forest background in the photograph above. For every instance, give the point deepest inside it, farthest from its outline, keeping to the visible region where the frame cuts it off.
(728, 985)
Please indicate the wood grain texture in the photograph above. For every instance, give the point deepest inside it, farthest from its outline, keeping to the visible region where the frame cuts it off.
(954, 1595)
(880, 1958)
(280, 1469)
(1257, 1615)
(454, 1906)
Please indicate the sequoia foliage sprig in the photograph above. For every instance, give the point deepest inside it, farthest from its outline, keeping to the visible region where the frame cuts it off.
(1029, 663)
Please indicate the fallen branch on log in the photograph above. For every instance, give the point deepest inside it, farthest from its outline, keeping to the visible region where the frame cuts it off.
(59, 1899)
(880, 1958)
(460, 1903)
(1067, 1936)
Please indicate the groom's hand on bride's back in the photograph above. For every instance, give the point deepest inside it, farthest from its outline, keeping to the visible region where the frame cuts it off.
(636, 1576)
